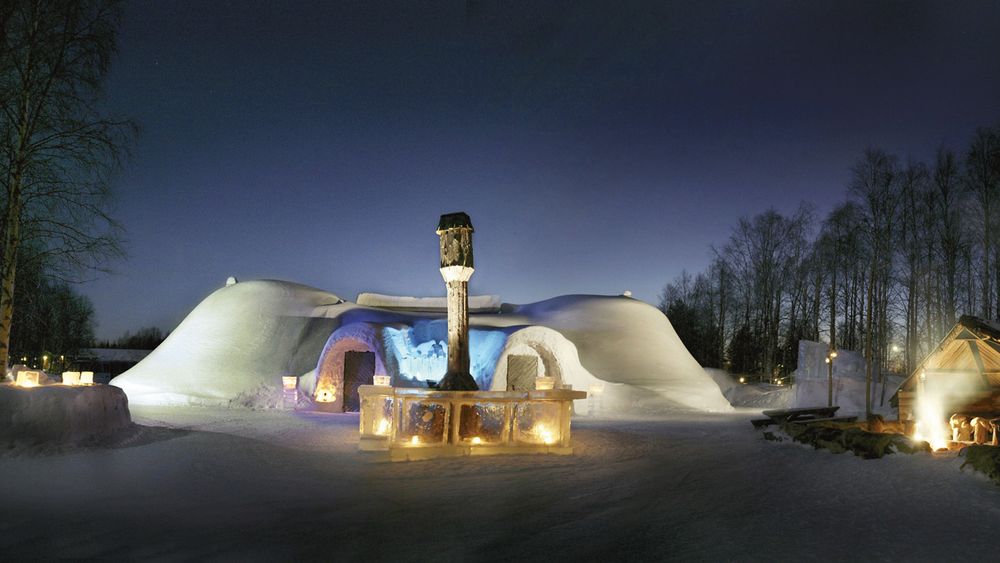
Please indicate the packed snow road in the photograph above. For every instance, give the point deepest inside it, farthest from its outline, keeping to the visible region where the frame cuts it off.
(243, 485)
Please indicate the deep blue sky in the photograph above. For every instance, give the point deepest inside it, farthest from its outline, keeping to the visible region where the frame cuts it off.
(597, 148)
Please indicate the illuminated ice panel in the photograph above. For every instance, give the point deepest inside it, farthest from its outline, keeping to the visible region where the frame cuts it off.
(537, 422)
(376, 415)
(422, 422)
(481, 423)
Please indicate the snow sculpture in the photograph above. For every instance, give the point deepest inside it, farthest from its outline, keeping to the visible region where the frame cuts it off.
(247, 335)
(455, 230)
(238, 338)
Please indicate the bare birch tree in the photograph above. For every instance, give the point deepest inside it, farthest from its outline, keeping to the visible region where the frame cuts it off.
(59, 152)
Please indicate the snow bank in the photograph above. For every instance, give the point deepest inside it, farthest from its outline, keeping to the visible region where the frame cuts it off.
(751, 395)
(238, 337)
(624, 340)
(61, 414)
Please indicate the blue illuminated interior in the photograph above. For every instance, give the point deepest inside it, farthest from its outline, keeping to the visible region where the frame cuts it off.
(421, 351)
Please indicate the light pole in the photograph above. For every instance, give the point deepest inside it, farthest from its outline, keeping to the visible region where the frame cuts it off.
(829, 364)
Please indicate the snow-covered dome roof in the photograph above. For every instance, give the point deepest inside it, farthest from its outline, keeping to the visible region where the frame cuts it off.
(237, 338)
(253, 332)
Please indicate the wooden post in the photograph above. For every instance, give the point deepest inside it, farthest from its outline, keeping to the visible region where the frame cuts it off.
(455, 230)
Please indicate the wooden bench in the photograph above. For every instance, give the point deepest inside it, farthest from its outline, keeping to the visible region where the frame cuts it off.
(780, 416)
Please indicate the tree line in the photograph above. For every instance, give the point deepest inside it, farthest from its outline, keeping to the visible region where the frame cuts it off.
(887, 273)
(146, 338)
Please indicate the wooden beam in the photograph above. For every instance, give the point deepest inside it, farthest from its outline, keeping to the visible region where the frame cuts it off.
(974, 347)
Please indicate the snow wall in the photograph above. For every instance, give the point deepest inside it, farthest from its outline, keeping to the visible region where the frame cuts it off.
(812, 381)
(249, 334)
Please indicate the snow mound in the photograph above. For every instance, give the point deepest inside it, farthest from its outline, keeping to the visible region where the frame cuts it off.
(61, 414)
(624, 340)
(238, 337)
(251, 333)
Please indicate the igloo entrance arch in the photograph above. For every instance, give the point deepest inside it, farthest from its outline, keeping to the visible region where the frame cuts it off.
(551, 351)
(352, 346)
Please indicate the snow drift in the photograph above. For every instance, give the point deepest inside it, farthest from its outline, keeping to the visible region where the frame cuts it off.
(248, 334)
(239, 337)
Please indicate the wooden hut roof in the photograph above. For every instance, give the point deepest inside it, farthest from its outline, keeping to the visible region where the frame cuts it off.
(971, 347)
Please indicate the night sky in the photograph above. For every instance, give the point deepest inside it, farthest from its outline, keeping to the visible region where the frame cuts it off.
(597, 148)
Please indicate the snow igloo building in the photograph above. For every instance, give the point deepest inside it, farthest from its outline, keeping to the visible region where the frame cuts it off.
(243, 337)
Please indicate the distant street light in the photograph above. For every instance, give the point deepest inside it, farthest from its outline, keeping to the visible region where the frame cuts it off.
(829, 364)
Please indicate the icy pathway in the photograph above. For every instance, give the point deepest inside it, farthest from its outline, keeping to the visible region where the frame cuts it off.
(272, 485)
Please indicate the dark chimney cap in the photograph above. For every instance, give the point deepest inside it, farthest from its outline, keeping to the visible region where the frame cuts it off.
(451, 221)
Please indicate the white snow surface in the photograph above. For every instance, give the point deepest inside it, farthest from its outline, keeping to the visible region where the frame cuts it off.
(812, 381)
(279, 486)
(249, 334)
(237, 338)
(476, 302)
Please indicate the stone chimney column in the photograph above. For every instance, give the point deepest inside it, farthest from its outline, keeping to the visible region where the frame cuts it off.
(455, 230)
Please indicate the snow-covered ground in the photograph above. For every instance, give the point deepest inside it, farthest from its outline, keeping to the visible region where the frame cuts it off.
(244, 485)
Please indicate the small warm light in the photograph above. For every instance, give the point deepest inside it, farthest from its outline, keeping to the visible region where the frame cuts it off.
(415, 440)
(547, 436)
(71, 378)
(545, 383)
(86, 378)
(828, 360)
(383, 428)
(476, 440)
(381, 380)
(289, 382)
(833, 354)
(743, 380)
(26, 378)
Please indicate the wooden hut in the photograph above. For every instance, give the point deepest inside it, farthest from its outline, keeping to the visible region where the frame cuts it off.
(964, 368)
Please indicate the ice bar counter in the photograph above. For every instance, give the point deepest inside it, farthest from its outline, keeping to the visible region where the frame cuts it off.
(413, 423)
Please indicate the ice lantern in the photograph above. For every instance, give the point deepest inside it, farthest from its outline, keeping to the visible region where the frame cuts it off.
(27, 378)
(289, 391)
(455, 230)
